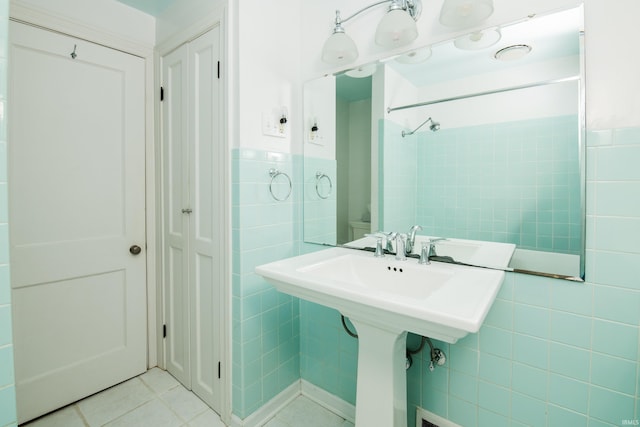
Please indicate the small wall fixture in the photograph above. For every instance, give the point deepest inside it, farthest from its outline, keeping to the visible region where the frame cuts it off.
(435, 126)
(512, 53)
(397, 28)
(465, 13)
(313, 134)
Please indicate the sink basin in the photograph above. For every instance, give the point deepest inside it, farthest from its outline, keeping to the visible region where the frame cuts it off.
(442, 301)
(399, 281)
(385, 299)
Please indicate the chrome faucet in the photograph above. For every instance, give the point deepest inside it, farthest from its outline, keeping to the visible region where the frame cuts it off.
(429, 250)
(401, 240)
(411, 239)
(390, 238)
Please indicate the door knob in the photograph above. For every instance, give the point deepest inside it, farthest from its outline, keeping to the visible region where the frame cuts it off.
(135, 249)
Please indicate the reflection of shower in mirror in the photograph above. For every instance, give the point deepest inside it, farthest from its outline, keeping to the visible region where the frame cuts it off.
(435, 126)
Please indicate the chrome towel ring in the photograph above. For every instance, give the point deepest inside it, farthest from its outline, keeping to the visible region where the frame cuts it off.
(319, 177)
(274, 173)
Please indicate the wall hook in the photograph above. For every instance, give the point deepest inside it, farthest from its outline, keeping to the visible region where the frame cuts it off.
(74, 55)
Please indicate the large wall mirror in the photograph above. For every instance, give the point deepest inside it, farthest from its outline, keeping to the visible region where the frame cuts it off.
(480, 138)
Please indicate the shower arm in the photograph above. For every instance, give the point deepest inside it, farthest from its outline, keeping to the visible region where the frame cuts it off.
(416, 129)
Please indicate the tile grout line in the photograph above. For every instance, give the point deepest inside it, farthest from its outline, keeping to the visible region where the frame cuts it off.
(132, 409)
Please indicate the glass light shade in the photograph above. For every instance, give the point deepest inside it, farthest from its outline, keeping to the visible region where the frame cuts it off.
(415, 56)
(465, 13)
(339, 49)
(478, 40)
(397, 28)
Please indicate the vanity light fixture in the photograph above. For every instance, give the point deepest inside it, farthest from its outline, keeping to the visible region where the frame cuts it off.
(465, 13)
(397, 28)
(478, 39)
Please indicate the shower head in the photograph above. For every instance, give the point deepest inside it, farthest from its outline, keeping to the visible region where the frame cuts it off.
(435, 126)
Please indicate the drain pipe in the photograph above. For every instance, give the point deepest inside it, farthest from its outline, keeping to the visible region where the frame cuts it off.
(438, 357)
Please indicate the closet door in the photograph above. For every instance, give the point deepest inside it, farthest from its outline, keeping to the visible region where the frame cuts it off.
(77, 207)
(193, 161)
(175, 113)
(206, 219)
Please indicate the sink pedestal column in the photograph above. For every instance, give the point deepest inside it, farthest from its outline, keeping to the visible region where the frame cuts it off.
(381, 395)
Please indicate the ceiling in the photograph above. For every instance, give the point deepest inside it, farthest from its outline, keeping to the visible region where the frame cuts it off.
(151, 7)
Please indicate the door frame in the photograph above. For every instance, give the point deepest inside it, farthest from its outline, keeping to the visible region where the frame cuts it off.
(218, 17)
(40, 18)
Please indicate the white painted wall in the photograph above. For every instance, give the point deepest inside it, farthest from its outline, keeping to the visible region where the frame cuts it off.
(320, 104)
(268, 72)
(612, 71)
(359, 146)
(544, 101)
(109, 16)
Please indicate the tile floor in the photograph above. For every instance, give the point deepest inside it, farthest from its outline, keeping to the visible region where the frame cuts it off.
(156, 399)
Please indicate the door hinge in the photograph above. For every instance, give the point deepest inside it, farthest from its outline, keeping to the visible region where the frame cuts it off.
(164, 331)
(218, 69)
(218, 369)
(161, 93)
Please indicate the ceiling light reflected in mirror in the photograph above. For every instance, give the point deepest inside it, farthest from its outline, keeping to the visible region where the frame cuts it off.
(478, 39)
(465, 13)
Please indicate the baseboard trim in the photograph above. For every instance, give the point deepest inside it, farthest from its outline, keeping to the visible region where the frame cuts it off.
(301, 387)
(329, 401)
(269, 409)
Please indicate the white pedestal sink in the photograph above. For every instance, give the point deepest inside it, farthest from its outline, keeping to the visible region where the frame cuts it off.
(385, 299)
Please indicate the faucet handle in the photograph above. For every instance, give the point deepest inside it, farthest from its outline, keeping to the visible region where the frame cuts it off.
(379, 253)
(424, 252)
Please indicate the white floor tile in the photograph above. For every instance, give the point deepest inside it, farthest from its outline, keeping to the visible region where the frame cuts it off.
(156, 399)
(65, 417)
(114, 402)
(207, 419)
(304, 412)
(184, 403)
(275, 422)
(159, 380)
(151, 414)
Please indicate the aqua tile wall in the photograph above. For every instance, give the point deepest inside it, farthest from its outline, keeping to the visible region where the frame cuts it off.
(551, 352)
(510, 182)
(265, 322)
(7, 379)
(397, 177)
(328, 356)
(320, 201)
(516, 182)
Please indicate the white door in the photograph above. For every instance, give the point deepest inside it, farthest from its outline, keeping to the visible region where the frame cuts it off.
(176, 218)
(193, 160)
(76, 196)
